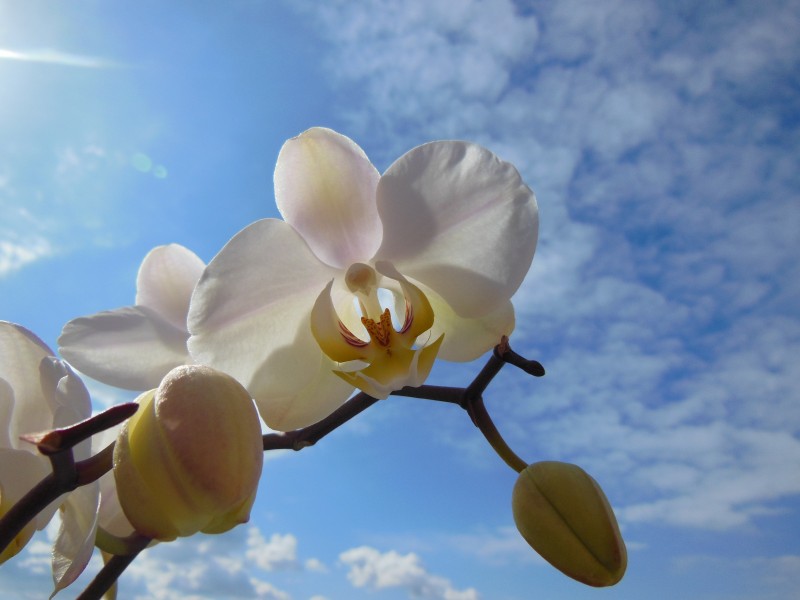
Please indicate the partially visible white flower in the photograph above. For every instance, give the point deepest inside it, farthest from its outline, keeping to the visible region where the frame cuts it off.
(135, 346)
(38, 392)
(293, 308)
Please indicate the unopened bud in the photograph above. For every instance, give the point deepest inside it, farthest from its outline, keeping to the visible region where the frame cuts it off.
(565, 516)
(190, 459)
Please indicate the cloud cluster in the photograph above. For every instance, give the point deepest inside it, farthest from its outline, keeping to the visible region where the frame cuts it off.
(381, 570)
(15, 255)
(663, 298)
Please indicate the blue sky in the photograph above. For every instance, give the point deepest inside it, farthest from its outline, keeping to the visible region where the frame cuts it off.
(661, 140)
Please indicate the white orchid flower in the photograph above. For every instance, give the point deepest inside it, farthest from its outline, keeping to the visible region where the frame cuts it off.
(294, 310)
(38, 392)
(135, 346)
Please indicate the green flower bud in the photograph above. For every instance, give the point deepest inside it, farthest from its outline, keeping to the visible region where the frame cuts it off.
(190, 459)
(565, 516)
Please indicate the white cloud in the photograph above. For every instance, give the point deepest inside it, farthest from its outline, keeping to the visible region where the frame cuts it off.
(374, 569)
(279, 553)
(204, 567)
(663, 297)
(426, 64)
(315, 565)
(56, 57)
(268, 591)
(14, 255)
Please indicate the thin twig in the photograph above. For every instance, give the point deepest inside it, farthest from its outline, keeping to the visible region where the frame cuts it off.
(58, 440)
(308, 436)
(66, 474)
(111, 571)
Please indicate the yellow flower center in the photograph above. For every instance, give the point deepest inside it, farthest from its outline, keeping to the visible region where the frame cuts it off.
(393, 361)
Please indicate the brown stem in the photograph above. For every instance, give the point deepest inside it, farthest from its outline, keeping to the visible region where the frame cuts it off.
(471, 399)
(26, 509)
(480, 416)
(58, 440)
(308, 436)
(111, 571)
(66, 474)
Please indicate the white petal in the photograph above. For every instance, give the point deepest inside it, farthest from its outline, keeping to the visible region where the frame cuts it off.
(466, 339)
(21, 354)
(459, 220)
(110, 514)
(20, 471)
(75, 540)
(165, 282)
(63, 389)
(295, 386)
(325, 188)
(72, 393)
(287, 407)
(250, 302)
(131, 347)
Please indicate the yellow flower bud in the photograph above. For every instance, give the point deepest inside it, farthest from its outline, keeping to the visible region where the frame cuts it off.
(190, 459)
(565, 516)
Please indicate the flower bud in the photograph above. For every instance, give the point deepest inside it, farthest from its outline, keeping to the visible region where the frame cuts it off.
(190, 459)
(564, 515)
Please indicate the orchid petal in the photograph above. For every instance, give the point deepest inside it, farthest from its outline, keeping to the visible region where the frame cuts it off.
(63, 389)
(20, 471)
(131, 347)
(459, 220)
(75, 540)
(296, 386)
(325, 188)
(250, 302)
(466, 339)
(165, 282)
(110, 515)
(21, 354)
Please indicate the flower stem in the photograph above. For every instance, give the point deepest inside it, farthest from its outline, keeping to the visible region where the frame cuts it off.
(480, 416)
(66, 474)
(471, 399)
(308, 436)
(111, 571)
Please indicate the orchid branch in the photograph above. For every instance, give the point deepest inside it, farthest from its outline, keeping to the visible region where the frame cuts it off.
(111, 571)
(469, 398)
(66, 474)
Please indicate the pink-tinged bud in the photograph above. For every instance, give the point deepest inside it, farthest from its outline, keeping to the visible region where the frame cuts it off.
(190, 459)
(565, 516)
